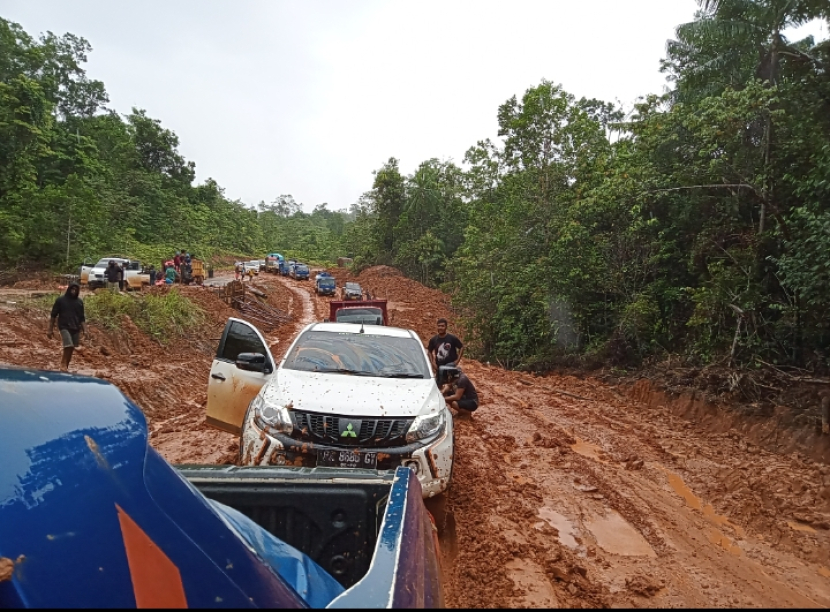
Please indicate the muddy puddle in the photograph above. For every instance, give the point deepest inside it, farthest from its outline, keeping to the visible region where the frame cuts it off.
(564, 527)
(617, 536)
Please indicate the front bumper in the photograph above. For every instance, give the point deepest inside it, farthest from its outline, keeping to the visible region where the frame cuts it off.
(434, 457)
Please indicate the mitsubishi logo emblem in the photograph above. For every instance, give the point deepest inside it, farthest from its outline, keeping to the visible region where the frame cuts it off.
(348, 432)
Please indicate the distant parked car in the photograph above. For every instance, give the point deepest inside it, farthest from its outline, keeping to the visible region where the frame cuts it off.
(134, 274)
(352, 291)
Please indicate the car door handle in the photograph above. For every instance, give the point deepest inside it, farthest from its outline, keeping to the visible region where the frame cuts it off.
(217, 376)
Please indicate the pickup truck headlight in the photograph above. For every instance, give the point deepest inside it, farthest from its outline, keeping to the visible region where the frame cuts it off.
(425, 426)
(271, 417)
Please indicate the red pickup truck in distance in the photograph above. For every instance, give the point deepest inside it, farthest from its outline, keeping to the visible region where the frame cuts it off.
(368, 312)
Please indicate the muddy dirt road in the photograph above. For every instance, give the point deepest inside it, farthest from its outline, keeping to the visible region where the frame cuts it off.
(566, 491)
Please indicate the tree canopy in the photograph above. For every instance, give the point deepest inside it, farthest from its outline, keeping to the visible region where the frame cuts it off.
(696, 224)
(79, 181)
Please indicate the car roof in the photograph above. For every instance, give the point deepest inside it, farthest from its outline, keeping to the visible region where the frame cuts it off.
(354, 328)
(351, 284)
(115, 259)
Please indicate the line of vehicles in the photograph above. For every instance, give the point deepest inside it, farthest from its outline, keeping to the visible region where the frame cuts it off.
(340, 441)
(136, 274)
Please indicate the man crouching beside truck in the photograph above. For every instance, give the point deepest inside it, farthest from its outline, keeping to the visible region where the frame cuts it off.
(459, 391)
(68, 310)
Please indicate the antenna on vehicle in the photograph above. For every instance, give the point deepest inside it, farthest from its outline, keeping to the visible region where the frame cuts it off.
(361, 327)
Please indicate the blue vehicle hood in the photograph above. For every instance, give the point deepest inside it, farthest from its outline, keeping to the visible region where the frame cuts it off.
(92, 516)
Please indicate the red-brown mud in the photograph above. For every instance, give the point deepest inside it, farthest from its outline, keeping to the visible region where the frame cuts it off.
(566, 491)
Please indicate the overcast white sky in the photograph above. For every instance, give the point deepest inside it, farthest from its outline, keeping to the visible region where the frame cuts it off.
(308, 97)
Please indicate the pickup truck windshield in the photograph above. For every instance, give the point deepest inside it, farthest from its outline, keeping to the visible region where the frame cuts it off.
(301, 268)
(367, 316)
(358, 354)
(103, 263)
(326, 282)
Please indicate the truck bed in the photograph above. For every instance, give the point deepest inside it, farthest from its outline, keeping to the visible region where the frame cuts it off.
(332, 517)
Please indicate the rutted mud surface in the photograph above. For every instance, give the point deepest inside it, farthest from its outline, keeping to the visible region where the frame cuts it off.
(566, 492)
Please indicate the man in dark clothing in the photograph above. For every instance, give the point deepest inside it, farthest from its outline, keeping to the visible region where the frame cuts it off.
(444, 348)
(152, 273)
(460, 393)
(68, 310)
(114, 274)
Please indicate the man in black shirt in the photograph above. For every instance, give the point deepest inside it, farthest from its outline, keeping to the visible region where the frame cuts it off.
(460, 393)
(444, 348)
(69, 313)
(115, 276)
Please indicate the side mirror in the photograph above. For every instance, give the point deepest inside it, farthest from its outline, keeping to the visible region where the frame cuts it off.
(251, 362)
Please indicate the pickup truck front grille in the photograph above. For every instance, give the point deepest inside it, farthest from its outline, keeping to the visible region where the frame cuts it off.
(330, 429)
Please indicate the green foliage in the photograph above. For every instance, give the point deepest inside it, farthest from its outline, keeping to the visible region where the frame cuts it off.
(163, 316)
(79, 181)
(108, 308)
(699, 224)
(169, 315)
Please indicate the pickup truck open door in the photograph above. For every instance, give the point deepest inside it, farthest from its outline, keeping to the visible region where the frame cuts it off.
(243, 364)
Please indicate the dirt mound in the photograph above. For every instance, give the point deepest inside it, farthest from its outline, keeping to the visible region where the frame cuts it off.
(411, 304)
(47, 283)
(208, 300)
(380, 272)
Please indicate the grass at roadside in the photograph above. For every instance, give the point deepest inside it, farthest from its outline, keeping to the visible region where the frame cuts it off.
(164, 317)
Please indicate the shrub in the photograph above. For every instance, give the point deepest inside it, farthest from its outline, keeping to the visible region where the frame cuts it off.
(162, 316)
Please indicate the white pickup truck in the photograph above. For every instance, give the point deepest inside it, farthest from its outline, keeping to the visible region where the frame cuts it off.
(134, 273)
(345, 397)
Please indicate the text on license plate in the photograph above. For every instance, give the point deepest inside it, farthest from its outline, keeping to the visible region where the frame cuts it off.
(347, 459)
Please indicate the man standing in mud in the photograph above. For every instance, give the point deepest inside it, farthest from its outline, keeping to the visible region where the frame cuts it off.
(68, 310)
(444, 348)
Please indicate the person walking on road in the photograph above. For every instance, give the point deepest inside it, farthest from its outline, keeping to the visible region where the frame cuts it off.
(152, 273)
(444, 348)
(68, 311)
(460, 393)
(114, 274)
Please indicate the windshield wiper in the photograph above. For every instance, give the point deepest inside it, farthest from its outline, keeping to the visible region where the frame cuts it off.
(401, 375)
(344, 371)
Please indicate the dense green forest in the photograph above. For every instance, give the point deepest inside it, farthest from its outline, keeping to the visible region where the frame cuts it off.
(696, 224)
(80, 181)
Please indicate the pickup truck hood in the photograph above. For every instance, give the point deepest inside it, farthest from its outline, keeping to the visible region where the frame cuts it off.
(348, 395)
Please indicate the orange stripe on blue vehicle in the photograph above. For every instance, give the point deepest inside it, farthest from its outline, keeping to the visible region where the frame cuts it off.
(157, 582)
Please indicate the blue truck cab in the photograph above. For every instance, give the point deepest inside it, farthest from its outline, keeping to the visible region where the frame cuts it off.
(298, 271)
(325, 284)
(92, 516)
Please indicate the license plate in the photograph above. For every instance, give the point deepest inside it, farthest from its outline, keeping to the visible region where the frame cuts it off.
(347, 459)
